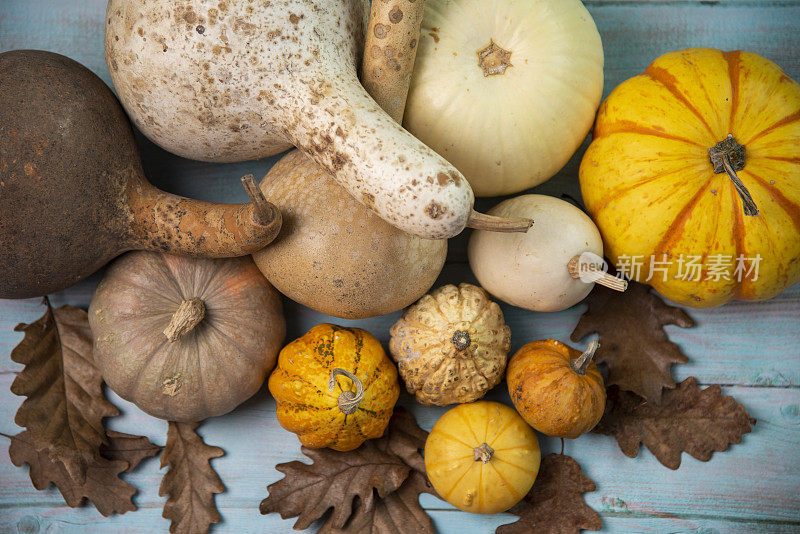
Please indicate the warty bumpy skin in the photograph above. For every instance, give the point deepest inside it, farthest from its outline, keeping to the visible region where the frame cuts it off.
(233, 80)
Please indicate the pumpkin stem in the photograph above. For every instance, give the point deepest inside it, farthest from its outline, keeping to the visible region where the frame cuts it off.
(593, 275)
(461, 339)
(728, 156)
(348, 401)
(188, 315)
(491, 223)
(264, 212)
(494, 60)
(581, 363)
(483, 452)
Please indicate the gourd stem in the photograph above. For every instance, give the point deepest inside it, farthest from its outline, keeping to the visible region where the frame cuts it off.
(264, 212)
(186, 317)
(491, 223)
(461, 339)
(581, 363)
(483, 452)
(348, 401)
(728, 156)
(600, 277)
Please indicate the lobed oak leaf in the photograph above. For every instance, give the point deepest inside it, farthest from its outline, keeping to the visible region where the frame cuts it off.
(65, 406)
(333, 480)
(397, 513)
(102, 485)
(689, 419)
(190, 482)
(555, 503)
(633, 344)
(128, 448)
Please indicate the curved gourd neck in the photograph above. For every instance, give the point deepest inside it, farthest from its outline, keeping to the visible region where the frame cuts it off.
(169, 223)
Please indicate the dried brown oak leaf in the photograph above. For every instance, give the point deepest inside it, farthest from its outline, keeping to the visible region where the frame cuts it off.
(689, 420)
(65, 406)
(633, 343)
(102, 485)
(128, 448)
(555, 503)
(397, 513)
(338, 479)
(190, 482)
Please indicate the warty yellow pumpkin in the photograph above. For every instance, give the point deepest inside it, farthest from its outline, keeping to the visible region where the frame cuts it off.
(481, 457)
(693, 177)
(334, 387)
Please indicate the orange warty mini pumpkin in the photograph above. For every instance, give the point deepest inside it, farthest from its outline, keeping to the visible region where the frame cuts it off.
(693, 177)
(558, 390)
(334, 387)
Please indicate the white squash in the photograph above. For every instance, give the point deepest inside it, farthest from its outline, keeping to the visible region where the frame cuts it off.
(505, 90)
(234, 80)
(537, 270)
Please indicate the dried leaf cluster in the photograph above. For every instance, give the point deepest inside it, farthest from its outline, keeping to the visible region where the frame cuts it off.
(66, 444)
(372, 489)
(644, 405)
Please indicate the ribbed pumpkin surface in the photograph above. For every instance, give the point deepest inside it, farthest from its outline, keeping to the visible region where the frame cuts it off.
(649, 184)
(305, 404)
(471, 484)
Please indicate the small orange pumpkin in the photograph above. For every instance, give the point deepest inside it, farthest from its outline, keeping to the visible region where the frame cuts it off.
(558, 390)
(335, 387)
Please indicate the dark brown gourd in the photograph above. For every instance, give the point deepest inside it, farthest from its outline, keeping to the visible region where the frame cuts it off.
(73, 194)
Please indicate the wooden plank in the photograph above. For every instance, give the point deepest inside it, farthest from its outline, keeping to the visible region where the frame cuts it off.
(754, 481)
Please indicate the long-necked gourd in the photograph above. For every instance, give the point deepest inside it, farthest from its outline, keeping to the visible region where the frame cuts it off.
(235, 80)
(333, 254)
(73, 192)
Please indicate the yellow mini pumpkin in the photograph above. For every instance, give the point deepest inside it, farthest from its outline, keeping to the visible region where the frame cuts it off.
(482, 457)
(693, 177)
(334, 387)
(558, 390)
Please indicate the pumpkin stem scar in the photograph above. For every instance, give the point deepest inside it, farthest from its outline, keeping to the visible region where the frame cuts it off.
(483, 452)
(461, 339)
(581, 363)
(494, 60)
(348, 401)
(729, 156)
(186, 317)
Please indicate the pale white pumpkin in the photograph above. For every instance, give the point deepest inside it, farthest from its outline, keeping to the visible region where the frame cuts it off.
(531, 270)
(505, 90)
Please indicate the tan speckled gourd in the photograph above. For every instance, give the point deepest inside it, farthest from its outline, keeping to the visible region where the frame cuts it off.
(334, 254)
(185, 338)
(451, 346)
(235, 80)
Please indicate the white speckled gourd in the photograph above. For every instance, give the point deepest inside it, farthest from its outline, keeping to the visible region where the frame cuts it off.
(232, 80)
(451, 346)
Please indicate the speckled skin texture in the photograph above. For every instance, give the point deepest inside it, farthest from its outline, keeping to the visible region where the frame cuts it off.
(72, 190)
(431, 365)
(334, 255)
(549, 395)
(210, 370)
(306, 407)
(530, 270)
(238, 79)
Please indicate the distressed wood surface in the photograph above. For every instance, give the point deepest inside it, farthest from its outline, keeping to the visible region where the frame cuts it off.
(751, 348)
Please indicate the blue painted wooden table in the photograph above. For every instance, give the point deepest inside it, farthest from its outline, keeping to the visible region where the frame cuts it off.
(752, 349)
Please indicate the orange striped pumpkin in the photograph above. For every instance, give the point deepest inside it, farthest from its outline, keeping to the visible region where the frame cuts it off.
(334, 387)
(668, 208)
